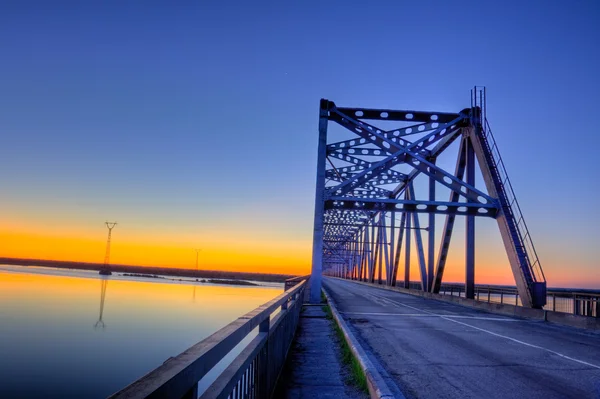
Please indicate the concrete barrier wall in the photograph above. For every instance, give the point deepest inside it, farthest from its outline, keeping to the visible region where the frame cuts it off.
(566, 319)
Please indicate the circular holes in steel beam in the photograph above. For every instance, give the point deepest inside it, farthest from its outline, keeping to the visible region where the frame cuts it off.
(434, 117)
(409, 116)
(359, 113)
(384, 115)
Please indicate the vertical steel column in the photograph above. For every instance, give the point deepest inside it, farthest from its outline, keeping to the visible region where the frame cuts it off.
(317, 258)
(386, 254)
(367, 258)
(372, 254)
(431, 245)
(376, 242)
(407, 253)
(470, 225)
(449, 223)
(398, 248)
(418, 242)
(390, 267)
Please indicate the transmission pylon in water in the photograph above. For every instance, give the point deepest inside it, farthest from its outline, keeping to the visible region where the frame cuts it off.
(366, 206)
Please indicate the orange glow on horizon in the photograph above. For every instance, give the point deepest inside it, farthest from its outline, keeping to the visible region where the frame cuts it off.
(260, 251)
(230, 254)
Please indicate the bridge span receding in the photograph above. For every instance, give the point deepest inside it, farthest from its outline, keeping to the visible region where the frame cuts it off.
(435, 349)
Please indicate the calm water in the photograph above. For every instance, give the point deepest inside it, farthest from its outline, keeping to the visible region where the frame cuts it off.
(58, 339)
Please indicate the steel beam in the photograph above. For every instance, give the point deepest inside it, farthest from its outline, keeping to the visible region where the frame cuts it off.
(317, 255)
(449, 223)
(431, 243)
(470, 227)
(357, 196)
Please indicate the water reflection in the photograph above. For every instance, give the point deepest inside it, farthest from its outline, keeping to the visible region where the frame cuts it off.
(147, 321)
(103, 284)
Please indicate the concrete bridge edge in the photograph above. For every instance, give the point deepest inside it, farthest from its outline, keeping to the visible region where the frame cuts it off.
(378, 387)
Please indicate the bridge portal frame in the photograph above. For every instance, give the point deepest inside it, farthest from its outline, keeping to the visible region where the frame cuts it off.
(359, 187)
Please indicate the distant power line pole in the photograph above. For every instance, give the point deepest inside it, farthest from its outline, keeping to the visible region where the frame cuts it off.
(105, 271)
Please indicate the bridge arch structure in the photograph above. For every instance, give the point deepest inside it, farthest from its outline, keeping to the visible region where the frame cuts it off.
(366, 206)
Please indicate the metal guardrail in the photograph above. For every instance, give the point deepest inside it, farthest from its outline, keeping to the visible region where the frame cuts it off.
(577, 303)
(252, 374)
(291, 282)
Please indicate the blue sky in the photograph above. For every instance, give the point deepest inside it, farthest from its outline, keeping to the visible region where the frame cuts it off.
(188, 117)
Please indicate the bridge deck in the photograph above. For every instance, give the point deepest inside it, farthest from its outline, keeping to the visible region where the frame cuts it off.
(442, 350)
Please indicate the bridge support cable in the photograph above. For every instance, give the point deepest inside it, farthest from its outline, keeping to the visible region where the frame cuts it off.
(367, 174)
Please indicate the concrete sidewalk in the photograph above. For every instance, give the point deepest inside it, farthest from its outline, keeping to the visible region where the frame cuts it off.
(313, 367)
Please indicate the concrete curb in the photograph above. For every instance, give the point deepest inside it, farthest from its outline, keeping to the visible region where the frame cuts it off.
(378, 388)
(558, 318)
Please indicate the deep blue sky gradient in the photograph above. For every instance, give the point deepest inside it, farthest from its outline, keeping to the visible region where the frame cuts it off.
(178, 117)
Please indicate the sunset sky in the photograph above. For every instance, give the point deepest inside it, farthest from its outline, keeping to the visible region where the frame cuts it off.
(195, 126)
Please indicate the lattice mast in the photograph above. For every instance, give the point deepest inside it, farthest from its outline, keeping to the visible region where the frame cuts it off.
(110, 226)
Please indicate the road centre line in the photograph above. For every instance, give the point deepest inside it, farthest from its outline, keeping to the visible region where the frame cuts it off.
(429, 315)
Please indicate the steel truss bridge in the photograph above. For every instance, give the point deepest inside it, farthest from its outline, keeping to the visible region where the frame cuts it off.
(366, 205)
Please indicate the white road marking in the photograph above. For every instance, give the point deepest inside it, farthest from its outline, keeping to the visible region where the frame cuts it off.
(525, 343)
(493, 333)
(429, 315)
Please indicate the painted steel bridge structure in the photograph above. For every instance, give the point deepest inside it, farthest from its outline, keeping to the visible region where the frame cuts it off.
(371, 165)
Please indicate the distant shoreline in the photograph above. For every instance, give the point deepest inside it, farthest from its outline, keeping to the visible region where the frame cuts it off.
(150, 270)
(210, 280)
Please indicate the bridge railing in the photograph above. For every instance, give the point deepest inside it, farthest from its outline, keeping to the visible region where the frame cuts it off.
(254, 371)
(291, 282)
(578, 303)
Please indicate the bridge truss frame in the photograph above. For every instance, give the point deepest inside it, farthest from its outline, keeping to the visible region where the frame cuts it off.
(366, 207)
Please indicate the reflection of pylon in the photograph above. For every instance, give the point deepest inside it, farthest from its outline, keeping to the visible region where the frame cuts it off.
(100, 322)
(105, 270)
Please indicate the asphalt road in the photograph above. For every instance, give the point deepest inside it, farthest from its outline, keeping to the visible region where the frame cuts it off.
(435, 349)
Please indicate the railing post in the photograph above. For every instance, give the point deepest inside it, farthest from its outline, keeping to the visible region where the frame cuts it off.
(263, 365)
(489, 295)
(554, 302)
(575, 307)
(501, 297)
